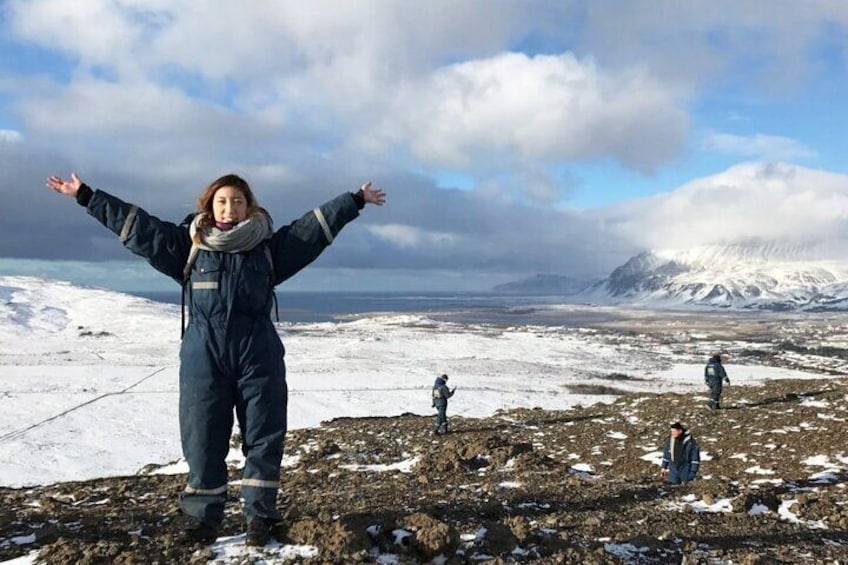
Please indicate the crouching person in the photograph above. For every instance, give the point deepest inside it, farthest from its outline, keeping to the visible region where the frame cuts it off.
(681, 455)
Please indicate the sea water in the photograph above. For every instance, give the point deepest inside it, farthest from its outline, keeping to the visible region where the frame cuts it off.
(462, 307)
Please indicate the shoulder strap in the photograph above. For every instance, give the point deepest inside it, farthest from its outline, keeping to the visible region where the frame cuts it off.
(192, 257)
(270, 257)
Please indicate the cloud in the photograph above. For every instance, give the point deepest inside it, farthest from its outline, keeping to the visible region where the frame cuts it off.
(178, 77)
(422, 227)
(157, 98)
(405, 237)
(10, 136)
(754, 47)
(759, 146)
(512, 108)
(751, 201)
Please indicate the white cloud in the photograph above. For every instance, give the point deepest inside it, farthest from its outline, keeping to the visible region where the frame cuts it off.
(752, 201)
(334, 75)
(511, 108)
(10, 136)
(406, 236)
(758, 146)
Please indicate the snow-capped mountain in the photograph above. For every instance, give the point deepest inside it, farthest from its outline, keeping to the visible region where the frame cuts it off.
(770, 275)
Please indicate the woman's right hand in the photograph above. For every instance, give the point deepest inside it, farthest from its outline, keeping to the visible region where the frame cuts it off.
(68, 187)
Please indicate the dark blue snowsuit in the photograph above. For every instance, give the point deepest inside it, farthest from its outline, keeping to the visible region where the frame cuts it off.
(441, 393)
(715, 376)
(682, 457)
(231, 355)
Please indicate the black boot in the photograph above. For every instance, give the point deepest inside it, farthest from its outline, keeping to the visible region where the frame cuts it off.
(196, 530)
(261, 530)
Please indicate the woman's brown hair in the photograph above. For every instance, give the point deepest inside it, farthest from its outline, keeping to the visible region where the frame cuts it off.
(204, 203)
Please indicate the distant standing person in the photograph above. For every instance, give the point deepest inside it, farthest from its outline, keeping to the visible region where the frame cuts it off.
(681, 455)
(441, 393)
(228, 259)
(715, 377)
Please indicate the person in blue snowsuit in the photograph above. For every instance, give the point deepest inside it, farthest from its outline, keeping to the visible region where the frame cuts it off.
(228, 259)
(441, 393)
(681, 455)
(715, 377)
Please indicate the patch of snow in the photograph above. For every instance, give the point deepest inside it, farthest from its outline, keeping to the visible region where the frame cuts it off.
(625, 551)
(817, 461)
(231, 549)
(720, 505)
(806, 401)
(28, 559)
(824, 477)
(653, 457)
(477, 536)
(757, 470)
(758, 509)
(582, 468)
(400, 535)
(404, 466)
(786, 514)
(767, 482)
(509, 485)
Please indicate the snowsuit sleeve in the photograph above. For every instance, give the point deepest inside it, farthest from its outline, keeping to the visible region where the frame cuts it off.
(296, 245)
(666, 456)
(694, 461)
(165, 245)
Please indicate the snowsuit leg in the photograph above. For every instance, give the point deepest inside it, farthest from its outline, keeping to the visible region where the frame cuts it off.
(206, 422)
(715, 393)
(441, 417)
(676, 475)
(261, 402)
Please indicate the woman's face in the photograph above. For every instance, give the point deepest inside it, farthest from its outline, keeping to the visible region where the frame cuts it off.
(229, 205)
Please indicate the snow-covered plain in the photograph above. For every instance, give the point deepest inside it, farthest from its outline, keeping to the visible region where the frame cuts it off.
(89, 381)
(89, 377)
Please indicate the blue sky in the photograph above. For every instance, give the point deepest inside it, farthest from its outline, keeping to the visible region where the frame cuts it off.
(513, 137)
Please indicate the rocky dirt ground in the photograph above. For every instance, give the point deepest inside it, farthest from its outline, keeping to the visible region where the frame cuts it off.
(579, 486)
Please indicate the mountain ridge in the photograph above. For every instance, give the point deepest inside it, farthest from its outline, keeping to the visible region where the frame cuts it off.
(775, 275)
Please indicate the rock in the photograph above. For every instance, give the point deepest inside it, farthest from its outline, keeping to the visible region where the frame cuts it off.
(432, 537)
(499, 539)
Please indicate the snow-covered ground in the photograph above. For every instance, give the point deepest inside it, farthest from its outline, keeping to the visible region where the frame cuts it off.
(89, 378)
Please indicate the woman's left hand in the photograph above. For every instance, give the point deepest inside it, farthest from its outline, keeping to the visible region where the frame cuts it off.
(67, 187)
(373, 195)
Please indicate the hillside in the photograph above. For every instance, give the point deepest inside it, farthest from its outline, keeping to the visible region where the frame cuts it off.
(576, 486)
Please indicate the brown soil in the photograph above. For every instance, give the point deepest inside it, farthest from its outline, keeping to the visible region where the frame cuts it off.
(503, 489)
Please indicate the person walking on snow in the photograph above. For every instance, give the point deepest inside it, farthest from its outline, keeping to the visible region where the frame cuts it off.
(228, 259)
(441, 393)
(715, 377)
(681, 455)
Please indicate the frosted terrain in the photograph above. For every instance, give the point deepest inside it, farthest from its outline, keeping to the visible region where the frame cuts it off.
(89, 378)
